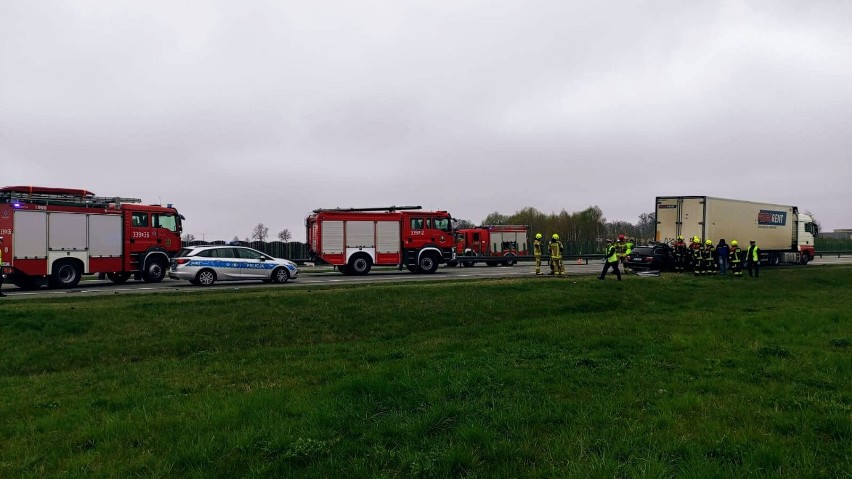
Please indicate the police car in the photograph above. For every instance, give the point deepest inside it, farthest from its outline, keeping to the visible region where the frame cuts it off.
(204, 265)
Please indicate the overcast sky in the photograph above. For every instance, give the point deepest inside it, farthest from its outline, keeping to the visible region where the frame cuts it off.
(253, 111)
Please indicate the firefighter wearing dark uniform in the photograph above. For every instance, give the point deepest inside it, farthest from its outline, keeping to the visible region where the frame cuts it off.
(680, 251)
(556, 265)
(537, 253)
(753, 259)
(696, 254)
(611, 260)
(709, 255)
(735, 258)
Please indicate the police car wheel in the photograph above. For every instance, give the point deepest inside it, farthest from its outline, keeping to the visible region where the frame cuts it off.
(205, 277)
(280, 275)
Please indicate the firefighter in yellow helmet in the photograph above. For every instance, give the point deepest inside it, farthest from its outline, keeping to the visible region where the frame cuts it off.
(709, 257)
(736, 259)
(537, 253)
(697, 256)
(556, 265)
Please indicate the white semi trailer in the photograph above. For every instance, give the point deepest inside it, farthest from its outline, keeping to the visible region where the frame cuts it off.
(782, 233)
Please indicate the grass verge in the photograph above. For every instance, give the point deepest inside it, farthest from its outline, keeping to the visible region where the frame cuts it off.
(651, 377)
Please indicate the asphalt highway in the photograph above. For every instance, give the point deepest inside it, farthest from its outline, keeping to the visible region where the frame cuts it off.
(324, 275)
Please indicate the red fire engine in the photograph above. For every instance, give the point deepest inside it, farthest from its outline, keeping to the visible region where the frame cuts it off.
(355, 239)
(58, 234)
(504, 241)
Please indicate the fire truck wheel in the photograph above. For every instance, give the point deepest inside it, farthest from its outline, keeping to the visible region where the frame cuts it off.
(343, 270)
(155, 271)
(205, 277)
(359, 265)
(428, 263)
(452, 264)
(118, 278)
(280, 275)
(510, 260)
(66, 274)
(412, 268)
(491, 263)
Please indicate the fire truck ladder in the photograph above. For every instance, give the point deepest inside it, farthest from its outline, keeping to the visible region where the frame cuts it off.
(387, 208)
(60, 196)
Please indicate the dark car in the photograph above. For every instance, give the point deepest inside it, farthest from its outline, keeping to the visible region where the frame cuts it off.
(657, 257)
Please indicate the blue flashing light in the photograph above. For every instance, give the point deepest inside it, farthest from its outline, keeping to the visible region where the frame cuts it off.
(16, 205)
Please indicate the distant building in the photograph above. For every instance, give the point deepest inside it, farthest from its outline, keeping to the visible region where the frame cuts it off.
(843, 234)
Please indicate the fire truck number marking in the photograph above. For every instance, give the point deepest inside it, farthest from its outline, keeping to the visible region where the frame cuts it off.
(141, 234)
(6, 231)
(416, 232)
(41, 207)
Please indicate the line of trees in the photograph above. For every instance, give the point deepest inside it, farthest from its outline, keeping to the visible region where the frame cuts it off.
(586, 225)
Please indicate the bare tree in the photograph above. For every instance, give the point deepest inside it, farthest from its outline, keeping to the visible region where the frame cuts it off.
(284, 235)
(259, 232)
(188, 238)
(647, 226)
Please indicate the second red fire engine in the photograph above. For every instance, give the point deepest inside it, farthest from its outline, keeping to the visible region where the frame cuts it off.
(356, 239)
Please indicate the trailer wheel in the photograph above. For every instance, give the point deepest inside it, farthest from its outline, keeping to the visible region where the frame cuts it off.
(428, 263)
(359, 264)
(155, 271)
(66, 274)
(118, 278)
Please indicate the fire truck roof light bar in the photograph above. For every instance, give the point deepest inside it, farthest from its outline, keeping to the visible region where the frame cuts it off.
(19, 195)
(387, 208)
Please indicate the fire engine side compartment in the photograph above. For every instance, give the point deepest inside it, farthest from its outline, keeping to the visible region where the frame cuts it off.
(341, 239)
(105, 243)
(30, 242)
(66, 238)
(387, 244)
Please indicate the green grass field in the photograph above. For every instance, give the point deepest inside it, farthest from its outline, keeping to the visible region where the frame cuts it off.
(652, 377)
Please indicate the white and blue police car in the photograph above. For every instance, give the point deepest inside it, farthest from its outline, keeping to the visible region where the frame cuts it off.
(204, 265)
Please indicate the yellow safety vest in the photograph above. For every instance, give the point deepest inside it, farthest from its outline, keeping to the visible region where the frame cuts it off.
(612, 254)
(755, 253)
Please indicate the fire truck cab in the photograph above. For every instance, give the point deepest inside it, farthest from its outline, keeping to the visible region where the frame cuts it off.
(56, 235)
(356, 239)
